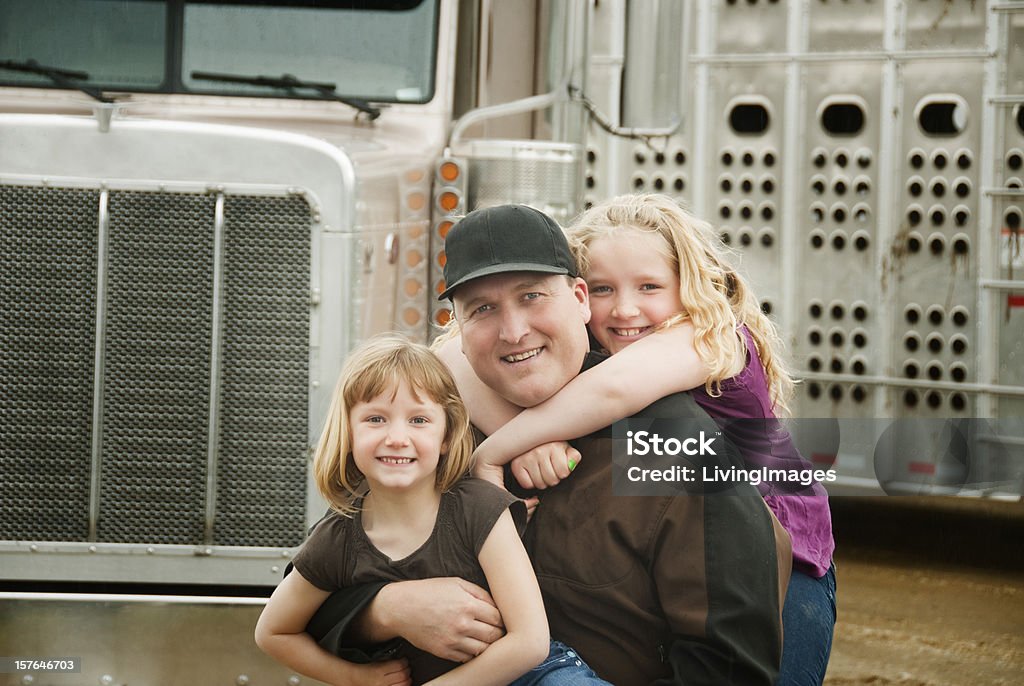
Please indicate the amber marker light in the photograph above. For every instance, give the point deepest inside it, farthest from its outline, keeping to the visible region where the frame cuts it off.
(448, 201)
(449, 171)
(443, 228)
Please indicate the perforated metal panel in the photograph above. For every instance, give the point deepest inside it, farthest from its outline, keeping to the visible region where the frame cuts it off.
(48, 252)
(170, 303)
(261, 485)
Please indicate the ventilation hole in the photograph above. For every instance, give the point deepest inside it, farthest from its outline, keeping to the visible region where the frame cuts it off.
(814, 364)
(1013, 219)
(859, 339)
(915, 188)
(814, 336)
(590, 181)
(935, 316)
(767, 239)
(938, 217)
(959, 316)
(725, 184)
(963, 161)
(748, 159)
(766, 308)
(934, 399)
(724, 211)
(859, 394)
(746, 185)
(841, 159)
(839, 214)
(840, 187)
(659, 183)
(958, 402)
(768, 186)
(815, 309)
(638, 182)
(860, 312)
(863, 188)
(843, 119)
(679, 184)
(819, 159)
(836, 393)
(938, 189)
(934, 371)
(958, 344)
(680, 158)
(726, 238)
(910, 398)
(911, 343)
(912, 314)
(727, 158)
(961, 246)
(817, 240)
(940, 160)
(910, 370)
(837, 311)
(937, 246)
(836, 365)
(639, 157)
(838, 241)
(943, 118)
(814, 390)
(746, 211)
(749, 119)
(963, 189)
(916, 160)
(1014, 161)
(961, 216)
(767, 213)
(818, 214)
(858, 367)
(659, 158)
(914, 244)
(935, 344)
(818, 186)
(836, 339)
(914, 217)
(959, 373)
(769, 159)
(861, 242)
(864, 159)
(591, 156)
(746, 239)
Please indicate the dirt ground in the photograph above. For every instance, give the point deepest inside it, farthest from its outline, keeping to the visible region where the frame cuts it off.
(928, 595)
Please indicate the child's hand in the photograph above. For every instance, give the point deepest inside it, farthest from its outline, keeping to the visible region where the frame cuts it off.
(390, 673)
(545, 465)
(489, 472)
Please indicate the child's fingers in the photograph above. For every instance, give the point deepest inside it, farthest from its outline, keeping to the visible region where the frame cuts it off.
(521, 471)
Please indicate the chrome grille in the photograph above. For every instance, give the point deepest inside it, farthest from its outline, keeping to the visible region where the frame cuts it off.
(48, 295)
(168, 311)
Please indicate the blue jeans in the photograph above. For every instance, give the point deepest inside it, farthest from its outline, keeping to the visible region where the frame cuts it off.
(808, 617)
(563, 667)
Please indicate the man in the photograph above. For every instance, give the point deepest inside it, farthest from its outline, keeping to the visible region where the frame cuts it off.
(649, 590)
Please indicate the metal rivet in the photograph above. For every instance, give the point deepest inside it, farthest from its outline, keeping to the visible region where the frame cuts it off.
(242, 680)
(34, 548)
(285, 554)
(92, 549)
(106, 680)
(27, 679)
(293, 681)
(150, 551)
(275, 569)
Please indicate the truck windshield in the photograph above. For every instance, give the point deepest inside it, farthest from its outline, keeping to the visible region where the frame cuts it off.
(374, 50)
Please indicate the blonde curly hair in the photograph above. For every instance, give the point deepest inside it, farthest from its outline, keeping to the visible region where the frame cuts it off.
(715, 297)
(371, 369)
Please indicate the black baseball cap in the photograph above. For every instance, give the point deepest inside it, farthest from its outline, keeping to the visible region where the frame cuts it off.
(506, 238)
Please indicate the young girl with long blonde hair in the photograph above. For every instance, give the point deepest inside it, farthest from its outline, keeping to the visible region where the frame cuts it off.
(675, 316)
(391, 463)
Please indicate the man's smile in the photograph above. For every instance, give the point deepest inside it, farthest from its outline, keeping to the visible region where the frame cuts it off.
(525, 355)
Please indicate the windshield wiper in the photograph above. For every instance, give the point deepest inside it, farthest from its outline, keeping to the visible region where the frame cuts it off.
(65, 78)
(289, 82)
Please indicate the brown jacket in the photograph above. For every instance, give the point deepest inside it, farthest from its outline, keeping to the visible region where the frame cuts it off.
(661, 590)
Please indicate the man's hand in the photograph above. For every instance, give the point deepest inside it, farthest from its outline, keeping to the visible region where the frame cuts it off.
(448, 617)
(390, 673)
(545, 465)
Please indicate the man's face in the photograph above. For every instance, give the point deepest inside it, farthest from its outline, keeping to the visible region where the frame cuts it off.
(524, 333)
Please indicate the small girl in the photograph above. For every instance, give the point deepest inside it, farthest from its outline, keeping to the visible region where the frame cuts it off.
(676, 317)
(391, 462)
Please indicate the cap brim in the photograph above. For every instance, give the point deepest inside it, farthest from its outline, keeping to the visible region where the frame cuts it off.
(502, 269)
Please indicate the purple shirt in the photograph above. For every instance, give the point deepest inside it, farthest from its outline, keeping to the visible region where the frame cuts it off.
(804, 514)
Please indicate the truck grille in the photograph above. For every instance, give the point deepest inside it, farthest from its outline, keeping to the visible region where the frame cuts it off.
(177, 328)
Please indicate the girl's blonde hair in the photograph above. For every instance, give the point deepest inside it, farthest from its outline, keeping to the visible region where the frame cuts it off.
(715, 297)
(376, 367)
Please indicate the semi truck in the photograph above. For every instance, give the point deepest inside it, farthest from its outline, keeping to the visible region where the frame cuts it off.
(205, 204)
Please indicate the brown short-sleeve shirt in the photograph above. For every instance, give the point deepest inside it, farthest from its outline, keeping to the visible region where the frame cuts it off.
(338, 553)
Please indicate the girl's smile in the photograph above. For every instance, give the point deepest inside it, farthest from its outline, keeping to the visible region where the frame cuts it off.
(633, 287)
(397, 438)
